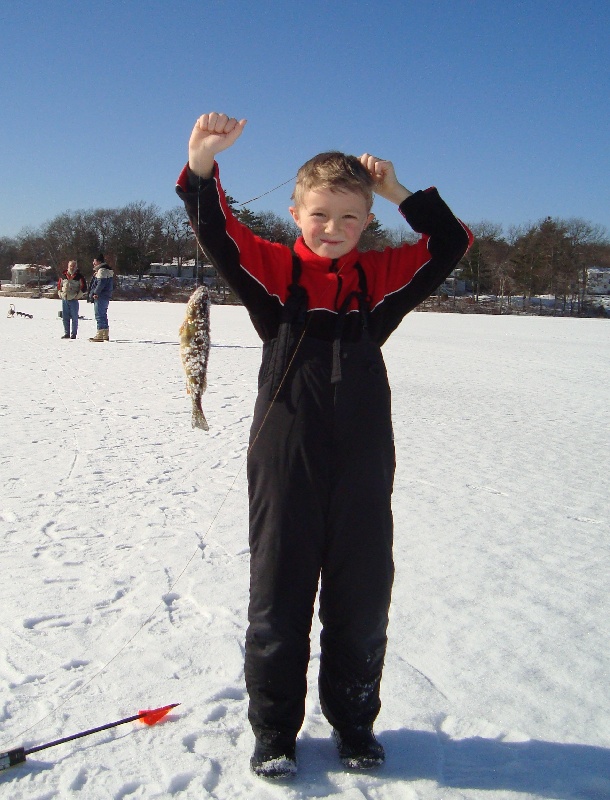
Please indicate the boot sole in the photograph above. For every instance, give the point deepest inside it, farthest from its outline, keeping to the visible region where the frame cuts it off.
(357, 764)
(277, 769)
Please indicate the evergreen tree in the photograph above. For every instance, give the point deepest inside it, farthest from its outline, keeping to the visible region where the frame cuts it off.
(374, 237)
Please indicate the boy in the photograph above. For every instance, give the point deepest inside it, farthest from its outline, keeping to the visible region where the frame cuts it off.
(321, 458)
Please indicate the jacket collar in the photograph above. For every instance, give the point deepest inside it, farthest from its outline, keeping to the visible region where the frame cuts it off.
(321, 263)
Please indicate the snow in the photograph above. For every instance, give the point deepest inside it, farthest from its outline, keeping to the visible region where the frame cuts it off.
(123, 538)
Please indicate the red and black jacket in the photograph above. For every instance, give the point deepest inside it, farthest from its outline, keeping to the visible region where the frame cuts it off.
(260, 272)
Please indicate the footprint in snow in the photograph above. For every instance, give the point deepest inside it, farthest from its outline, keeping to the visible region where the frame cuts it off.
(75, 664)
(170, 598)
(229, 693)
(217, 713)
(50, 621)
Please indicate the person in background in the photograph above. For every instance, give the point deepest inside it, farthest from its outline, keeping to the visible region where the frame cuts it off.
(71, 288)
(100, 294)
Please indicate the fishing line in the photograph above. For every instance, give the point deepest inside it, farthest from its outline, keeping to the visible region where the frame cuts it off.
(252, 199)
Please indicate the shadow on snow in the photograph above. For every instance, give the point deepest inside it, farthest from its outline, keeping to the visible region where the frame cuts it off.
(545, 769)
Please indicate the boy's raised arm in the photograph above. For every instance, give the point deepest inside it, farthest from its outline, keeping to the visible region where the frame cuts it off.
(212, 133)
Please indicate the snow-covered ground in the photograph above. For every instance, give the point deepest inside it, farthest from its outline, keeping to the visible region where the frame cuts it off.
(123, 541)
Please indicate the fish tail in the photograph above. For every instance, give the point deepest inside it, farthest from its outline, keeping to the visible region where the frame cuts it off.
(198, 419)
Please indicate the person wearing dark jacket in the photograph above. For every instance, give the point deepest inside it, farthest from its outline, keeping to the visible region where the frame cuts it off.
(71, 288)
(100, 294)
(321, 457)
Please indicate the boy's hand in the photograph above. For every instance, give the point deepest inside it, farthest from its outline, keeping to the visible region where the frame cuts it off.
(385, 182)
(212, 134)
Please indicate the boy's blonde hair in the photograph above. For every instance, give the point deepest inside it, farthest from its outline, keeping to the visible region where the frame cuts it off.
(337, 172)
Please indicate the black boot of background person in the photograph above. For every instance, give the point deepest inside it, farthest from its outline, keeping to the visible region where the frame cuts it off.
(274, 757)
(358, 748)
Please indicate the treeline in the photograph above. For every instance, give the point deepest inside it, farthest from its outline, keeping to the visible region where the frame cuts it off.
(550, 257)
(131, 237)
(547, 257)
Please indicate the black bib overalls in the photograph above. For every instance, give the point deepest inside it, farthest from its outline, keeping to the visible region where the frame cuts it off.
(320, 476)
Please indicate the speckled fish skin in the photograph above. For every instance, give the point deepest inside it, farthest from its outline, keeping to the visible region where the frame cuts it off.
(195, 351)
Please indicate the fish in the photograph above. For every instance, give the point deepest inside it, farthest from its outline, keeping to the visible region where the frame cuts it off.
(195, 351)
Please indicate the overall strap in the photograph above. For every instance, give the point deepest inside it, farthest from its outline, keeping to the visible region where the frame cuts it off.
(294, 313)
(363, 306)
(364, 301)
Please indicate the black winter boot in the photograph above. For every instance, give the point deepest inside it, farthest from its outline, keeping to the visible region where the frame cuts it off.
(275, 758)
(358, 748)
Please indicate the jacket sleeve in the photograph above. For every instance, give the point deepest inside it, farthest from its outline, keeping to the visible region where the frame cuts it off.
(257, 271)
(403, 277)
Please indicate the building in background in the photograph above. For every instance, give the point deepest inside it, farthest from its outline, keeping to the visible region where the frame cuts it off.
(31, 275)
(598, 280)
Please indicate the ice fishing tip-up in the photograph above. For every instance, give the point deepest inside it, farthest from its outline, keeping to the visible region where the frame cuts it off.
(17, 756)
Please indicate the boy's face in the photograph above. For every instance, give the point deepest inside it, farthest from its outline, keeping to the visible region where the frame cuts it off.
(331, 222)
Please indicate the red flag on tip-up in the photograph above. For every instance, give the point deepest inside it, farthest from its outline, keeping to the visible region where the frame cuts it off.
(17, 756)
(150, 717)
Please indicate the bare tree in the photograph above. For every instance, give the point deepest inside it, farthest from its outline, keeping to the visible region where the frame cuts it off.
(277, 229)
(401, 235)
(586, 245)
(484, 265)
(69, 236)
(139, 236)
(103, 223)
(178, 239)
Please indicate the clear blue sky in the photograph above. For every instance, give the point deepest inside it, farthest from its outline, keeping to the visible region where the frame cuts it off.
(503, 106)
